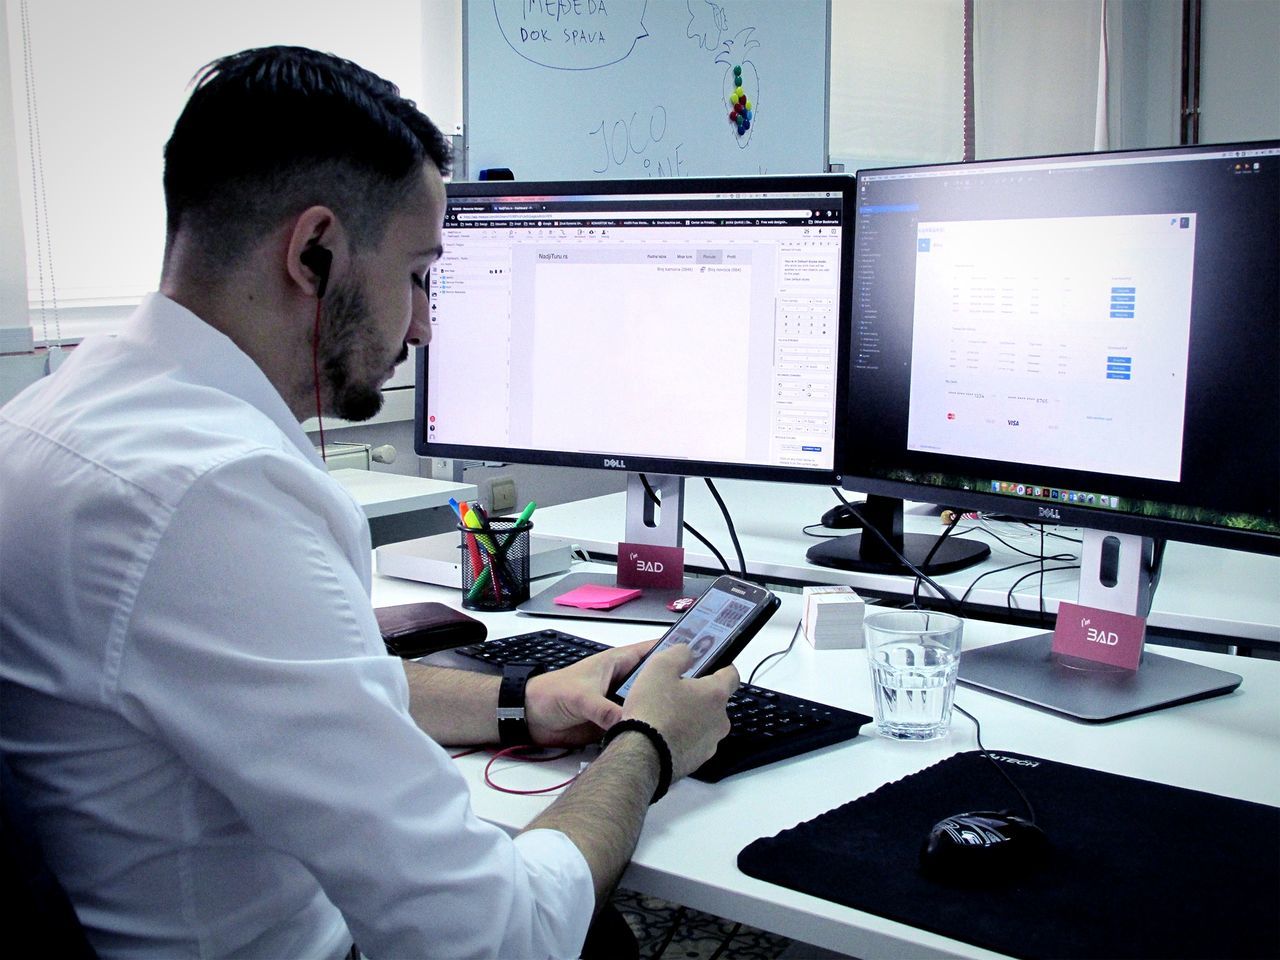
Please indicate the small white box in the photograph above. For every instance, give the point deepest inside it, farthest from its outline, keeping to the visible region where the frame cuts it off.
(833, 618)
(438, 559)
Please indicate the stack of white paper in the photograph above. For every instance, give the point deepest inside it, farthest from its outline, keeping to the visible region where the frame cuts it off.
(833, 618)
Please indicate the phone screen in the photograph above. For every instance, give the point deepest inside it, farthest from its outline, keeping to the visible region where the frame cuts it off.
(706, 628)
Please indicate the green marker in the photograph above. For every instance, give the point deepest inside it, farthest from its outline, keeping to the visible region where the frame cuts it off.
(526, 513)
(477, 588)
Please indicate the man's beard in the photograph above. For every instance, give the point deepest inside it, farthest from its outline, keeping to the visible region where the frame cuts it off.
(350, 355)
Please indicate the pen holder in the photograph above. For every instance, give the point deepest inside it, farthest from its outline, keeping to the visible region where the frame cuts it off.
(495, 564)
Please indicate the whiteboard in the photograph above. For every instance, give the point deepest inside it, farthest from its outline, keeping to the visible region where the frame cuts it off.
(585, 89)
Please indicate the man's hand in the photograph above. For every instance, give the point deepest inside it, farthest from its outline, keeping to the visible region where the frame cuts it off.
(603, 809)
(690, 714)
(568, 707)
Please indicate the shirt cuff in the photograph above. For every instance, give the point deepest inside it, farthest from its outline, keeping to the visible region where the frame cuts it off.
(563, 889)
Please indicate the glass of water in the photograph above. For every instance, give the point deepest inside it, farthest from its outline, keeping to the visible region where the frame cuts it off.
(914, 656)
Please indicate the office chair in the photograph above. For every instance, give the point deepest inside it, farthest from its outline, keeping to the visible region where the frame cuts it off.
(38, 908)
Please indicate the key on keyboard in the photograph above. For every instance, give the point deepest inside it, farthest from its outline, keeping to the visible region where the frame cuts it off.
(766, 726)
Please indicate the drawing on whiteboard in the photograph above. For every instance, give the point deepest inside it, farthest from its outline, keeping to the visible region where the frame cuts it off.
(741, 84)
(571, 34)
(706, 18)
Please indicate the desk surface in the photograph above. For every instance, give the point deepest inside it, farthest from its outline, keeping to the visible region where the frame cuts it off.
(383, 494)
(1204, 590)
(688, 849)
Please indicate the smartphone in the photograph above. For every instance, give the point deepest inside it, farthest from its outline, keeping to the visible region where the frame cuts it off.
(717, 627)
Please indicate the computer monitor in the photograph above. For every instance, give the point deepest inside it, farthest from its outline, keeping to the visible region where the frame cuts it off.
(1091, 340)
(670, 327)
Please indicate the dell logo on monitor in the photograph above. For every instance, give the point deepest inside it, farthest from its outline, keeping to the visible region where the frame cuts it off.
(1049, 513)
(615, 464)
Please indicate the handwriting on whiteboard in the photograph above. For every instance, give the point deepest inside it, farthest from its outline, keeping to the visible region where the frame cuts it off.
(572, 34)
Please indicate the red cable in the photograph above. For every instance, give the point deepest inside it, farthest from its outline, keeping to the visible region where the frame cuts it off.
(516, 753)
(315, 376)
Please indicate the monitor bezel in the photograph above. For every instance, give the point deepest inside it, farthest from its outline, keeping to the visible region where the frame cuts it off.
(1057, 512)
(844, 183)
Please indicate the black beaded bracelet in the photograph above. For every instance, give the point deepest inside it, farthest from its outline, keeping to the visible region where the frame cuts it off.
(659, 745)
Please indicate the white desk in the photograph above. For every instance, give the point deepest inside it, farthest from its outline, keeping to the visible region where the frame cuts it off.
(1223, 593)
(688, 850)
(384, 494)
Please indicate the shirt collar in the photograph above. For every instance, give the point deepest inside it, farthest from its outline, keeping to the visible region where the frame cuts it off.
(208, 356)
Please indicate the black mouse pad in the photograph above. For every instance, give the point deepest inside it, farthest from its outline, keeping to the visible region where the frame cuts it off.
(1137, 869)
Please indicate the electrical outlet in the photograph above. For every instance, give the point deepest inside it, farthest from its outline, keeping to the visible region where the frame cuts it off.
(502, 494)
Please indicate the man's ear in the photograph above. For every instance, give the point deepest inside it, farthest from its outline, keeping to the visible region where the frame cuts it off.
(316, 251)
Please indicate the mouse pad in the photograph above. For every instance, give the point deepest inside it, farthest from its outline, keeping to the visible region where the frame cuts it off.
(1137, 869)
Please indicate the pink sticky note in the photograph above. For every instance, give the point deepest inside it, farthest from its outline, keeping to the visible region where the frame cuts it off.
(1102, 636)
(595, 596)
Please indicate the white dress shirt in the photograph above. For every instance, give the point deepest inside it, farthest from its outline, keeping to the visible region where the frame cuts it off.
(194, 694)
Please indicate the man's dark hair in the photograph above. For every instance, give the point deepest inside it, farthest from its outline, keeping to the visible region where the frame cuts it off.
(272, 131)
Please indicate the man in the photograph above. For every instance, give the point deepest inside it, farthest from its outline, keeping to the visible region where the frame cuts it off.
(219, 755)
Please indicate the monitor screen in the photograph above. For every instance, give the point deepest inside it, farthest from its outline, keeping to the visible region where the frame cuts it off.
(690, 327)
(1091, 340)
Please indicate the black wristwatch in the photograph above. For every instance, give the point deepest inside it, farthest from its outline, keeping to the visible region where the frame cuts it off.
(513, 728)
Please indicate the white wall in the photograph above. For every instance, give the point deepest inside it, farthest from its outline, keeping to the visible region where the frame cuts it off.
(13, 259)
(896, 85)
(111, 80)
(896, 78)
(1035, 76)
(1145, 78)
(1240, 70)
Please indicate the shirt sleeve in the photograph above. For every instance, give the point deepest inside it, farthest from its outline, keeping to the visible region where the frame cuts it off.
(254, 654)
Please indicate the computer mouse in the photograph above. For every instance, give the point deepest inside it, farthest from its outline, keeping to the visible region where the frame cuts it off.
(841, 518)
(983, 848)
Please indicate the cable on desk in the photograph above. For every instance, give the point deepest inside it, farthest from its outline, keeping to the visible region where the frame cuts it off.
(1040, 573)
(705, 542)
(937, 545)
(1052, 533)
(982, 576)
(1056, 558)
(807, 530)
(1004, 773)
(776, 653)
(521, 754)
(728, 522)
(940, 590)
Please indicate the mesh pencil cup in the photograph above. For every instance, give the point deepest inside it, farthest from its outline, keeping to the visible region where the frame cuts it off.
(495, 564)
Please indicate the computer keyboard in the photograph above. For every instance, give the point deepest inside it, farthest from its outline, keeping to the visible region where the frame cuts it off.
(765, 725)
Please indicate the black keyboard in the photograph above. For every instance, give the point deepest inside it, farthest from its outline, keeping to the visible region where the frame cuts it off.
(765, 725)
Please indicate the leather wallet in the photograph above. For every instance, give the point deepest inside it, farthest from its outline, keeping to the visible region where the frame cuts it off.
(416, 629)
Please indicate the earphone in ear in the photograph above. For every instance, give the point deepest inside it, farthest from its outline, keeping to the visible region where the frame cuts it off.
(318, 259)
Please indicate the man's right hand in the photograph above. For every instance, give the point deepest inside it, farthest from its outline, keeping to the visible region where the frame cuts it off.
(689, 713)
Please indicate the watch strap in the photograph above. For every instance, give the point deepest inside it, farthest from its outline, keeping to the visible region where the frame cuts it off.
(513, 725)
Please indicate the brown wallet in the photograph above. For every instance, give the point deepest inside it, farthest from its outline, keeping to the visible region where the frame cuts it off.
(416, 629)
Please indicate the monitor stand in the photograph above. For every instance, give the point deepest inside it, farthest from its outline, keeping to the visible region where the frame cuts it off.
(867, 553)
(1120, 573)
(647, 522)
